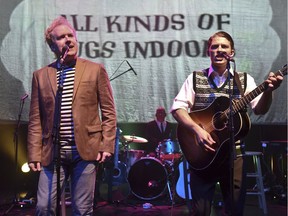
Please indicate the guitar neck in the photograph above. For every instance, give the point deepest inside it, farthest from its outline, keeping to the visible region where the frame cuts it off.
(244, 101)
(116, 147)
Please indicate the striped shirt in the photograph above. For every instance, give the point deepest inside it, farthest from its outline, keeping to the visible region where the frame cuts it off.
(66, 79)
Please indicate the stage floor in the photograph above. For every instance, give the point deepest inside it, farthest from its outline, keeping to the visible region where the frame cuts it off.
(161, 206)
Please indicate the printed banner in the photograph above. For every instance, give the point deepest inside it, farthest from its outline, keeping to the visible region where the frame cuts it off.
(147, 47)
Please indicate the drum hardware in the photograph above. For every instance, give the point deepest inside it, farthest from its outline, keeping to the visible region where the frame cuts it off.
(134, 139)
(169, 153)
(131, 156)
(172, 177)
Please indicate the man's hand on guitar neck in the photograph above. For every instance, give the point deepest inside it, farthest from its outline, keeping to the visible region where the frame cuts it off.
(273, 81)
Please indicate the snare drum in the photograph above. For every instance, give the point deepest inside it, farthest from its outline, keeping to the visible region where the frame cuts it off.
(169, 150)
(147, 178)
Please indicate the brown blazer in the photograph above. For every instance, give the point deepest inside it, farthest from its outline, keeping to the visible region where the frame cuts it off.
(92, 91)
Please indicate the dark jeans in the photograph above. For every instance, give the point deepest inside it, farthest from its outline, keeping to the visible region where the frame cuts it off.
(203, 184)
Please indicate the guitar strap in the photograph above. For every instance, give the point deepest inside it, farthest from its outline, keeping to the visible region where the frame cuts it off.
(239, 86)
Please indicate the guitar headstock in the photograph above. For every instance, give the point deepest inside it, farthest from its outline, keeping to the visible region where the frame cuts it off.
(282, 71)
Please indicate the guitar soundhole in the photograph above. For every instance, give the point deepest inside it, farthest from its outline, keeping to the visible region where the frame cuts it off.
(219, 121)
(116, 172)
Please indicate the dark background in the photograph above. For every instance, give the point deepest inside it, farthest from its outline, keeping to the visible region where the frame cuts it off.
(274, 159)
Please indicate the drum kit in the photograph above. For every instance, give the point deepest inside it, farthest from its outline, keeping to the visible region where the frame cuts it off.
(149, 176)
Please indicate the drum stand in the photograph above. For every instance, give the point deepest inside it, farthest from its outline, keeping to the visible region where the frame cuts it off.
(171, 181)
(171, 195)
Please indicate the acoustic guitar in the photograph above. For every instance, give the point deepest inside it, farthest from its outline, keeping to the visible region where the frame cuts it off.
(214, 119)
(183, 182)
(115, 186)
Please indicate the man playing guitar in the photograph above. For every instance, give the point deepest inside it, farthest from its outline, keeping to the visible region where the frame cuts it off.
(204, 135)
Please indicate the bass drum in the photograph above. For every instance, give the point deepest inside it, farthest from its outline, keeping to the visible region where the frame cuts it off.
(147, 178)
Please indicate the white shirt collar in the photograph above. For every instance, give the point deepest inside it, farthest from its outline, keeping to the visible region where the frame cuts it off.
(211, 70)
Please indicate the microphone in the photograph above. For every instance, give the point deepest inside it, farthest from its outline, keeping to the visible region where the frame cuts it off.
(65, 51)
(131, 67)
(24, 97)
(226, 56)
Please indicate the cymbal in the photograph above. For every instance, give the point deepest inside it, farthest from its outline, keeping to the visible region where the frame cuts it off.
(134, 139)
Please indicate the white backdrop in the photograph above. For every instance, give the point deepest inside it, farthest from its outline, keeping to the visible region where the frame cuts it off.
(163, 40)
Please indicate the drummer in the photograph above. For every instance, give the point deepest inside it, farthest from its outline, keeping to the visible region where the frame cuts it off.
(157, 131)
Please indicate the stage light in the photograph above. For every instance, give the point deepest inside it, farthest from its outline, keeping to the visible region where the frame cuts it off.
(25, 168)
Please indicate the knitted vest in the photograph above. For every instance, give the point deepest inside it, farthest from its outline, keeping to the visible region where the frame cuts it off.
(206, 91)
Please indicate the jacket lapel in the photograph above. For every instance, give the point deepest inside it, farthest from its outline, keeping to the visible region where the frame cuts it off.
(79, 71)
(52, 73)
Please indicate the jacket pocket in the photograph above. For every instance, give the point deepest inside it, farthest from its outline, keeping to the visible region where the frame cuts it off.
(94, 129)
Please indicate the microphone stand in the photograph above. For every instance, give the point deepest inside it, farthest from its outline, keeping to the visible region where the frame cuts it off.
(56, 137)
(232, 147)
(15, 140)
(122, 72)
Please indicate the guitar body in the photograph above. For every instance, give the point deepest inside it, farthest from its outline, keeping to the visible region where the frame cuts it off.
(183, 182)
(214, 120)
(115, 185)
